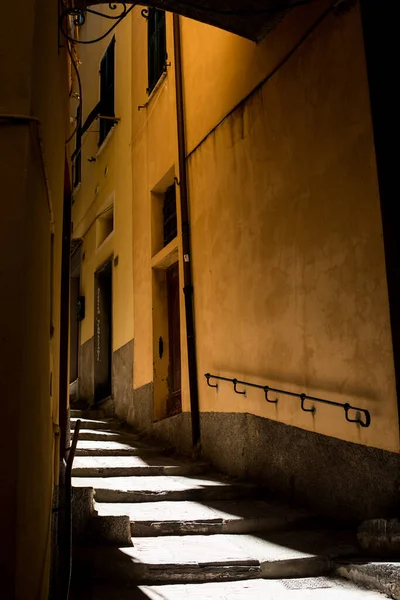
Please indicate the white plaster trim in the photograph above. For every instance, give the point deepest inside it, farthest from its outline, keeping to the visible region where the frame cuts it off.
(167, 256)
(106, 139)
(155, 89)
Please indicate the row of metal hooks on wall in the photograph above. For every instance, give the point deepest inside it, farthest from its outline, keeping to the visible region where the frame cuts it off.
(362, 416)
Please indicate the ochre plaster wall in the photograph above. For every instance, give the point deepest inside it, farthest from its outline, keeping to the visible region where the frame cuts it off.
(107, 180)
(35, 83)
(289, 274)
(154, 164)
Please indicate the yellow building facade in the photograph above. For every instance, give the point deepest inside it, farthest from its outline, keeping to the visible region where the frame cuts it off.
(102, 227)
(286, 264)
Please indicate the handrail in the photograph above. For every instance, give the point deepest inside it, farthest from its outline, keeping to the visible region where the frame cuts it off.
(68, 507)
(303, 397)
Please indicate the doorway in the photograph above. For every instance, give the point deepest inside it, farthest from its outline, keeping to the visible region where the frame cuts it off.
(103, 332)
(75, 316)
(74, 329)
(174, 402)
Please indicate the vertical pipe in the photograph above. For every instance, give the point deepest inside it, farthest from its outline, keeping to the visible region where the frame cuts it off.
(68, 512)
(64, 315)
(187, 264)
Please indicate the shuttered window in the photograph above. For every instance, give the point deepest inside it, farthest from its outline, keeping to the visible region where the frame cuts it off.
(107, 85)
(169, 214)
(157, 46)
(77, 160)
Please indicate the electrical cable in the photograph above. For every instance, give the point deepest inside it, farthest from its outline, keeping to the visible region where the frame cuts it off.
(78, 77)
(79, 109)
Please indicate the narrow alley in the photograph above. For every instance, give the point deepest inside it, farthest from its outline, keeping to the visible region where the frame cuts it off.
(164, 527)
(200, 281)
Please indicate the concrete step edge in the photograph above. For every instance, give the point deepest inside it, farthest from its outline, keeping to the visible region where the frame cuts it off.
(106, 495)
(138, 471)
(134, 451)
(117, 567)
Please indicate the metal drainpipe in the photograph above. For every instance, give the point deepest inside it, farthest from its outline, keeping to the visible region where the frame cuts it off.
(64, 316)
(187, 266)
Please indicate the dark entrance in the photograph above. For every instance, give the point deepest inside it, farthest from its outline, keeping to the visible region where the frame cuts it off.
(174, 403)
(74, 329)
(102, 332)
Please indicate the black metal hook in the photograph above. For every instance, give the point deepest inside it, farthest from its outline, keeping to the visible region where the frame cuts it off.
(207, 376)
(266, 390)
(303, 398)
(235, 382)
(357, 420)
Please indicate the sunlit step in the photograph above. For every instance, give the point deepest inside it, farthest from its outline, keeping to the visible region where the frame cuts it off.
(194, 518)
(110, 448)
(221, 557)
(162, 487)
(106, 424)
(125, 466)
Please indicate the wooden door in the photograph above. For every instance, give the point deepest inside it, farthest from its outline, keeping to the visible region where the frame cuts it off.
(174, 404)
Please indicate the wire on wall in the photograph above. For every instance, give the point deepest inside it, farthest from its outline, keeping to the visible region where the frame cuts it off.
(80, 105)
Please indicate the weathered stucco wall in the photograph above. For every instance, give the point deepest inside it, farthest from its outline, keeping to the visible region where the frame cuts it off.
(106, 181)
(29, 359)
(154, 165)
(290, 283)
(334, 478)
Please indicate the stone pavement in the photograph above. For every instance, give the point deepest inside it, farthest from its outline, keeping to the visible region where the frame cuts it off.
(321, 588)
(187, 532)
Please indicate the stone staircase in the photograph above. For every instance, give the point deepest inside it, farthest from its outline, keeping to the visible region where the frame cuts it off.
(156, 526)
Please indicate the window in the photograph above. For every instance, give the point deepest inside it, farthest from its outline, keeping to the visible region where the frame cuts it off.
(104, 225)
(157, 46)
(169, 215)
(107, 84)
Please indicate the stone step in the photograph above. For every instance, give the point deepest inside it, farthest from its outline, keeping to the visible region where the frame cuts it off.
(194, 518)
(98, 435)
(221, 557)
(310, 588)
(162, 487)
(86, 414)
(105, 424)
(105, 448)
(125, 466)
(380, 576)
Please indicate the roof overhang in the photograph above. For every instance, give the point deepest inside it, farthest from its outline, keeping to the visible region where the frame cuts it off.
(252, 19)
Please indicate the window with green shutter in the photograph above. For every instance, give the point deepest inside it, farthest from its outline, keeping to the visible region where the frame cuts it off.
(157, 46)
(107, 91)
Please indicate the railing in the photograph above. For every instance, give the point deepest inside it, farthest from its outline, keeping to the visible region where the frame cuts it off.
(68, 509)
(360, 412)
